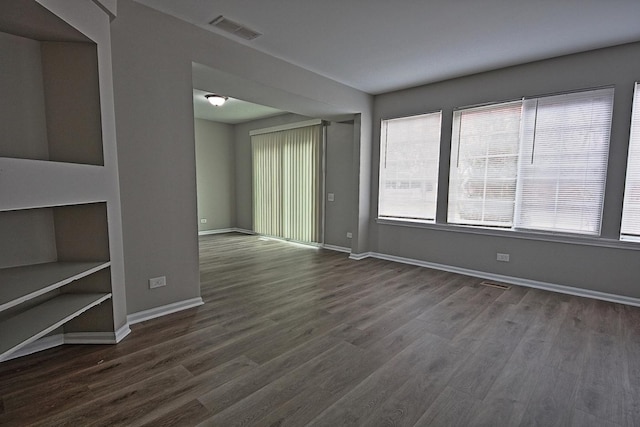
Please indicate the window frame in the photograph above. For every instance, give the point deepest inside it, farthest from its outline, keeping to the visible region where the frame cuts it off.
(384, 123)
(441, 224)
(634, 137)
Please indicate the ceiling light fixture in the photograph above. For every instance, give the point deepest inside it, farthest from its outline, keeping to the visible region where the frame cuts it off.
(215, 99)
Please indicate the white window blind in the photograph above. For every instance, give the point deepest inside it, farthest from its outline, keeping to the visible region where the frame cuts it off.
(410, 149)
(630, 229)
(286, 183)
(484, 163)
(563, 162)
(537, 164)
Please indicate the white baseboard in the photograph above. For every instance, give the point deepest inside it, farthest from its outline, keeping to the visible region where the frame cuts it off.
(90, 338)
(363, 255)
(152, 313)
(218, 231)
(244, 231)
(336, 248)
(225, 230)
(56, 340)
(570, 290)
(41, 344)
(51, 341)
(122, 332)
(97, 337)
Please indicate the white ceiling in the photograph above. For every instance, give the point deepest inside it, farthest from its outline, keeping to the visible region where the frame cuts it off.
(382, 45)
(233, 111)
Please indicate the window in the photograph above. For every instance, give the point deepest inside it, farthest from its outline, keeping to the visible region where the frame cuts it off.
(630, 229)
(484, 165)
(539, 164)
(410, 148)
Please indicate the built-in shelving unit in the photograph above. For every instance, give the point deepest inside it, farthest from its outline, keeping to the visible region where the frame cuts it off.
(21, 284)
(61, 267)
(26, 327)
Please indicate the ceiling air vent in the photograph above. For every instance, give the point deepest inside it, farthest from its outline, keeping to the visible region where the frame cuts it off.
(234, 28)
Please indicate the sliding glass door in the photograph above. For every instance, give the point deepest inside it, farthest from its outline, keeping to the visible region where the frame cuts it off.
(287, 170)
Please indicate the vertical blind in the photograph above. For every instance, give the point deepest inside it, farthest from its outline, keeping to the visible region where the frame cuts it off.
(410, 149)
(286, 183)
(630, 229)
(537, 164)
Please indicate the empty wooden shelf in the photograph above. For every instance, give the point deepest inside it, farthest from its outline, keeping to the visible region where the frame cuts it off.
(20, 284)
(28, 326)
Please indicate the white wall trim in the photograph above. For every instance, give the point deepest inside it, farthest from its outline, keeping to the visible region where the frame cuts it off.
(287, 126)
(122, 332)
(336, 248)
(56, 340)
(41, 344)
(225, 230)
(217, 231)
(90, 338)
(97, 337)
(621, 299)
(362, 255)
(244, 231)
(163, 310)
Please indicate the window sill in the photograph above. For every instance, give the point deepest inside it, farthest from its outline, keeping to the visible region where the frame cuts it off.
(526, 235)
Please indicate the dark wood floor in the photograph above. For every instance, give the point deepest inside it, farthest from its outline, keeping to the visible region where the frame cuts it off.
(299, 336)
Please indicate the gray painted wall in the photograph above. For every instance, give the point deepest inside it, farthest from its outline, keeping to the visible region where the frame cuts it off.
(27, 236)
(223, 158)
(339, 214)
(156, 149)
(588, 266)
(215, 174)
(23, 121)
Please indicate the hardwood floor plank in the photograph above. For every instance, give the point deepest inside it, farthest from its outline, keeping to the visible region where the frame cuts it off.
(220, 398)
(300, 409)
(568, 351)
(174, 396)
(454, 313)
(604, 317)
(90, 412)
(188, 414)
(601, 390)
(514, 295)
(552, 399)
(471, 336)
(410, 402)
(423, 357)
(479, 372)
(509, 395)
(452, 408)
(582, 419)
(292, 336)
(52, 397)
(319, 372)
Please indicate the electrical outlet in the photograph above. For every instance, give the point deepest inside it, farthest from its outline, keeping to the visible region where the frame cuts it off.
(203, 220)
(331, 197)
(502, 257)
(349, 235)
(157, 282)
